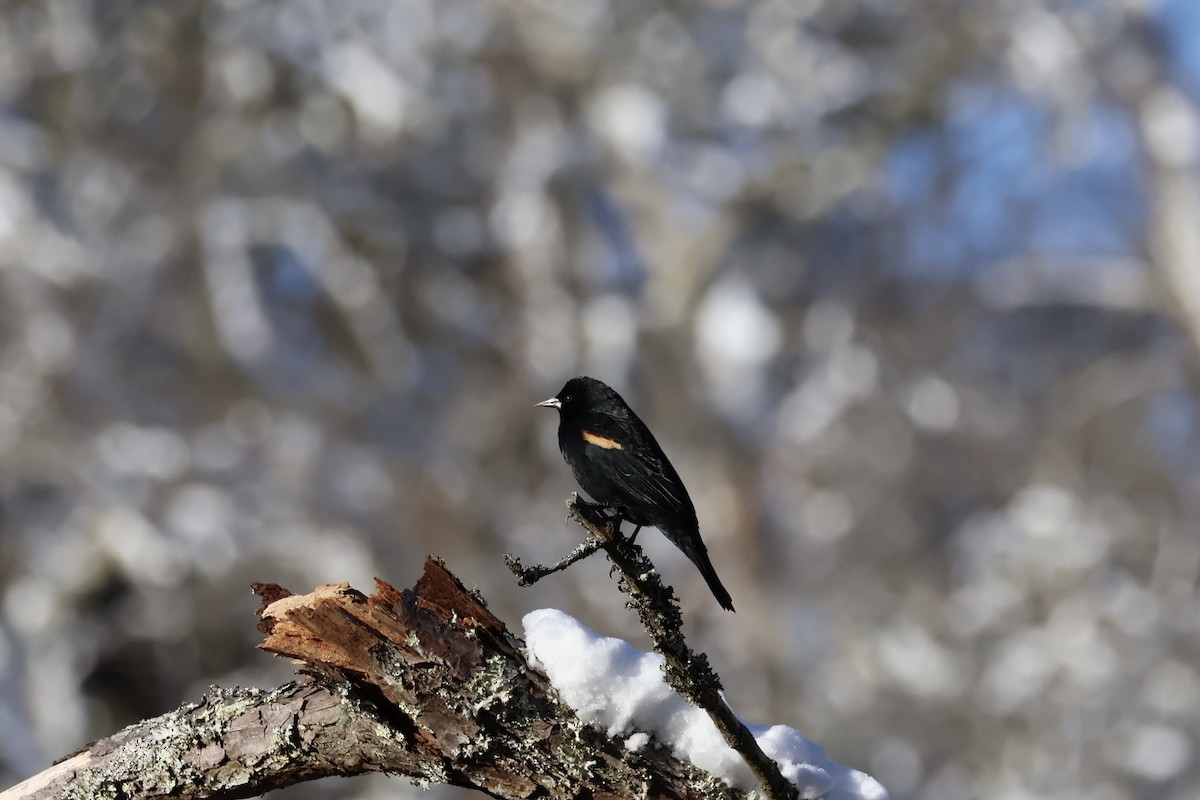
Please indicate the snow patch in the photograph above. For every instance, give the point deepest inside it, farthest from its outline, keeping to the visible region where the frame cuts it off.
(611, 684)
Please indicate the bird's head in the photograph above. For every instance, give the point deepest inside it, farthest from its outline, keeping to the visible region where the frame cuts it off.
(584, 394)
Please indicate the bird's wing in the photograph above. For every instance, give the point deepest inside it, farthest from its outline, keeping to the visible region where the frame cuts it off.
(633, 461)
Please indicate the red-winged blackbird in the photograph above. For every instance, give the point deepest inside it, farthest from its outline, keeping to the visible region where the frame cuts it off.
(619, 464)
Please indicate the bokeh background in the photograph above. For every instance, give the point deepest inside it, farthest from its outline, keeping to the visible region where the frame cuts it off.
(909, 291)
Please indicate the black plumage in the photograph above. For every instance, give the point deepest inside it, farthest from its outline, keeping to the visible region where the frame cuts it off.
(618, 463)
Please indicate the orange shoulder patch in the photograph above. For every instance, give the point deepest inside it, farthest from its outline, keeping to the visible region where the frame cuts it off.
(601, 441)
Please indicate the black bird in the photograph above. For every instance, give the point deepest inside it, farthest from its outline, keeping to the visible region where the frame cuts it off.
(619, 464)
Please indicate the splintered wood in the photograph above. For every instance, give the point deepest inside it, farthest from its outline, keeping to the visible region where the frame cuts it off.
(335, 626)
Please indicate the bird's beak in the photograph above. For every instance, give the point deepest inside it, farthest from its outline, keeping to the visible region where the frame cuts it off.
(553, 402)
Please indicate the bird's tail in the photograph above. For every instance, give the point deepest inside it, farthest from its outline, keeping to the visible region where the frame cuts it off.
(693, 547)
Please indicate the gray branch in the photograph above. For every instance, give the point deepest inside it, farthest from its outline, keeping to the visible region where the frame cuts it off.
(687, 672)
(233, 743)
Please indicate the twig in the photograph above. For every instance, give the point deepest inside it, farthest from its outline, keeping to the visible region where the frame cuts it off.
(687, 672)
(528, 576)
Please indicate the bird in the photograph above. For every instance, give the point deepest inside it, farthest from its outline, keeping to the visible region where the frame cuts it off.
(619, 464)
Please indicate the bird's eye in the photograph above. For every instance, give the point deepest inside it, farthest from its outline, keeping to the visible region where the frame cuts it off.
(566, 398)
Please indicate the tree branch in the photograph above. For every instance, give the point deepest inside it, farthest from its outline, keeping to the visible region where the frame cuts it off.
(687, 672)
(233, 743)
(425, 683)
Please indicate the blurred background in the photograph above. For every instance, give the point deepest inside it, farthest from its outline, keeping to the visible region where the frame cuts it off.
(909, 292)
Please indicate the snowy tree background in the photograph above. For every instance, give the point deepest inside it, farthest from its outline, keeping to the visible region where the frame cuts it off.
(910, 293)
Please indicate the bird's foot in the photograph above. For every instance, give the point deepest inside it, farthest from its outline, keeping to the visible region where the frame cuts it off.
(599, 512)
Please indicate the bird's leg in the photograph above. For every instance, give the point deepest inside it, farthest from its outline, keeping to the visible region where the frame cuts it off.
(600, 508)
(601, 514)
(612, 512)
(609, 513)
(633, 535)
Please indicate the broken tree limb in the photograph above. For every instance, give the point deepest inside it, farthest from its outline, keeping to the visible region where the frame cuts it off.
(425, 683)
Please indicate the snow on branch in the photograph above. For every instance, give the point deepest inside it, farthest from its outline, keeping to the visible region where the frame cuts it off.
(629, 692)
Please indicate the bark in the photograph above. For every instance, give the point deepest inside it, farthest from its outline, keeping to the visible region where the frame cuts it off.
(233, 743)
(425, 683)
